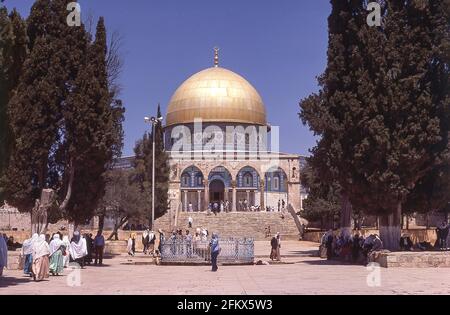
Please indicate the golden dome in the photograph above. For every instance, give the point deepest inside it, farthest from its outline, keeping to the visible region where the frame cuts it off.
(216, 95)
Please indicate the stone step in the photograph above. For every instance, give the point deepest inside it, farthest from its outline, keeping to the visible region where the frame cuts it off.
(236, 224)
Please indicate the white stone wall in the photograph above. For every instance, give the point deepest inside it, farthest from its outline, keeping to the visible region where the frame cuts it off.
(14, 220)
(273, 197)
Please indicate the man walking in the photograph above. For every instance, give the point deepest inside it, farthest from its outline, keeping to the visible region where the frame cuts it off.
(215, 251)
(190, 220)
(99, 246)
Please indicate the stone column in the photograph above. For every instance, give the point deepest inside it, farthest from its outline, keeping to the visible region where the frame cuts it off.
(185, 205)
(261, 197)
(199, 196)
(248, 200)
(206, 194)
(233, 185)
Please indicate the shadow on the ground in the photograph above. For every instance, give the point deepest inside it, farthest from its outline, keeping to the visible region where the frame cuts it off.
(10, 281)
(325, 262)
(312, 252)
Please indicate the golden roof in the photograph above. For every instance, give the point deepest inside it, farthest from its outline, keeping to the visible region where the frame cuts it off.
(216, 95)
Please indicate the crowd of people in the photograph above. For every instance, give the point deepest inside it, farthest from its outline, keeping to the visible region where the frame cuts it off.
(44, 254)
(243, 205)
(151, 242)
(180, 243)
(356, 249)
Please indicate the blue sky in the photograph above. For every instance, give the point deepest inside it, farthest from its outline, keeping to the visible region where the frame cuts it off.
(277, 45)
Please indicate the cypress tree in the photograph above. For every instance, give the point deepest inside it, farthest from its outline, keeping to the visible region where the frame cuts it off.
(323, 111)
(143, 167)
(66, 125)
(13, 52)
(91, 129)
(388, 127)
(34, 113)
(162, 170)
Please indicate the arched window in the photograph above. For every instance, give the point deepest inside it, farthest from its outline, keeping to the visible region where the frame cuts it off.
(248, 179)
(191, 177)
(185, 181)
(276, 182)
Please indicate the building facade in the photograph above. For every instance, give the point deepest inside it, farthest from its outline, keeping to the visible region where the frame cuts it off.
(217, 137)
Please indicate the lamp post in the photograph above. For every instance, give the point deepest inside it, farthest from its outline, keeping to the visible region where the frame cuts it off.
(154, 121)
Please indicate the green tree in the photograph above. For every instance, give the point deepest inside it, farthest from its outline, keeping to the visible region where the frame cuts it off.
(67, 126)
(13, 52)
(323, 203)
(143, 165)
(383, 110)
(91, 129)
(322, 112)
(34, 110)
(123, 199)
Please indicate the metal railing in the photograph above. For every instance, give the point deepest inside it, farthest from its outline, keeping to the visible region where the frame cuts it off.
(239, 251)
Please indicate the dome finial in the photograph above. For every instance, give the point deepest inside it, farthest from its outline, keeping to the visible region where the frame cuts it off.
(216, 57)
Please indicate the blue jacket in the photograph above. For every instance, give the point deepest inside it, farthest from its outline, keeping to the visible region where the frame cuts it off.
(214, 245)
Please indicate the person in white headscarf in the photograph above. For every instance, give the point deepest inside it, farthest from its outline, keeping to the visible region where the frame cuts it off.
(3, 255)
(57, 251)
(151, 242)
(78, 248)
(41, 252)
(204, 235)
(27, 252)
(66, 258)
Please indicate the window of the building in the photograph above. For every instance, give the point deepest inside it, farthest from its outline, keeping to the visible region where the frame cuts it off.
(185, 181)
(276, 183)
(248, 180)
(199, 181)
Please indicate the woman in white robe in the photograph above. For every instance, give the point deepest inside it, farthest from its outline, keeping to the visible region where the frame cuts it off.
(41, 252)
(27, 252)
(3, 255)
(66, 258)
(78, 248)
(56, 255)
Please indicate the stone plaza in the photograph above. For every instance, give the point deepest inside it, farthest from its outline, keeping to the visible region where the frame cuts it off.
(300, 272)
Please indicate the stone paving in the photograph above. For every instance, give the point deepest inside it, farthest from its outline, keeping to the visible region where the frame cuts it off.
(303, 274)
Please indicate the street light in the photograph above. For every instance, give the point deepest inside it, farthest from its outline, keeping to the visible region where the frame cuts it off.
(154, 121)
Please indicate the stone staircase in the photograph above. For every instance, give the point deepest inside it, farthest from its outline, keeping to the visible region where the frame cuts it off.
(236, 224)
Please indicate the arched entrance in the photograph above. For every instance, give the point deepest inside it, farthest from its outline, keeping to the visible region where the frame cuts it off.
(219, 185)
(216, 191)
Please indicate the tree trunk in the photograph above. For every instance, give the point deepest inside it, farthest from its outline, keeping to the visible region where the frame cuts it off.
(66, 200)
(346, 216)
(390, 229)
(101, 222)
(115, 232)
